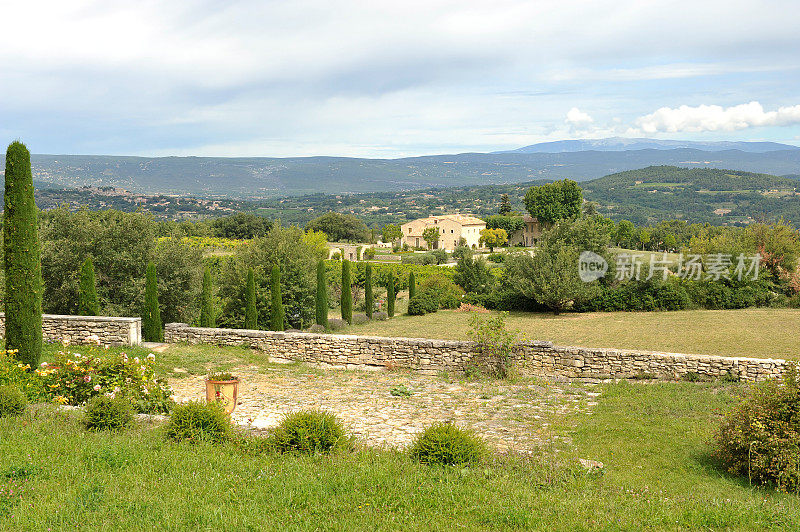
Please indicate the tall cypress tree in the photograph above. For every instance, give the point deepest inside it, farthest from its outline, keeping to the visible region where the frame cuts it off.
(250, 310)
(390, 296)
(322, 295)
(87, 290)
(23, 263)
(412, 286)
(276, 314)
(369, 301)
(347, 293)
(151, 318)
(207, 301)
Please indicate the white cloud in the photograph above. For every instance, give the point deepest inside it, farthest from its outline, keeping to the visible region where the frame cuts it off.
(576, 117)
(686, 119)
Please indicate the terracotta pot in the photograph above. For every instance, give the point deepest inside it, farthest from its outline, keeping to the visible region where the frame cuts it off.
(226, 393)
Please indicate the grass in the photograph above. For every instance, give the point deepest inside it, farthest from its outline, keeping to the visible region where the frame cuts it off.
(651, 437)
(748, 332)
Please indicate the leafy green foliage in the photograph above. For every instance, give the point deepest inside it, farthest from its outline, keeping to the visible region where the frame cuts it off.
(369, 299)
(496, 342)
(309, 432)
(412, 286)
(241, 226)
(152, 330)
(759, 437)
(391, 233)
(431, 236)
(509, 223)
(108, 413)
(198, 421)
(207, 301)
(391, 296)
(88, 304)
(250, 312)
(12, 401)
(493, 238)
(22, 255)
(473, 275)
(554, 201)
(340, 227)
(347, 293)
(446, 444)
(322, 296)
(277, 321)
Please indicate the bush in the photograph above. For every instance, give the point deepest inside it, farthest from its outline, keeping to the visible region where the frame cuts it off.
(12, 401)
(360, 318)
(335, 324)
(446, 444)
(382, 316)
(317, 328)
(447, 294)
(107, 413)
(496, 257)
(758, 438)
(198, 421)
(424, 302)
(309, 432)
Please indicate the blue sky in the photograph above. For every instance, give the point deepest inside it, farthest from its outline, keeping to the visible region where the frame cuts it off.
(389, 79)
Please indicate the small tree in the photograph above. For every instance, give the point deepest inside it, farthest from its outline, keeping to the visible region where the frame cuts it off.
(151, 318)
(392, 233)
(493, 238)
(390, 296)
(322, 295)
(431, 236)
(207, 301)
(277, 317)
(23, 263)
(347, 293)
(554, 201)
(250, 310)
(412, 286)
(369, 301)
(496, 343)
(87, 290)
(505, 204)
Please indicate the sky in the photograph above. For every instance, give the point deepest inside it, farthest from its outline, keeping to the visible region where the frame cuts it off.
(390, 79)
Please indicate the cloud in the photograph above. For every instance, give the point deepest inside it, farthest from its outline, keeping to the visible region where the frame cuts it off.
(686, 119)
(576, 117)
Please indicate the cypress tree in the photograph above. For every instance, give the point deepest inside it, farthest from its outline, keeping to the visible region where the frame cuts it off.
(207, 301)
(390, 296)
(347, 293)
(412, 286)
(369, 302)
(250, 311)
(322, 295)
(151, 319)
(276, 314)
(87, 290)
(23, 264)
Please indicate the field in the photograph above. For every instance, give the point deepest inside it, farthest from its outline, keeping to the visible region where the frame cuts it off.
(761, 333)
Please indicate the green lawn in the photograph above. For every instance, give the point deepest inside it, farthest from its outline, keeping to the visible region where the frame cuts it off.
(763, 333)
(651, 438)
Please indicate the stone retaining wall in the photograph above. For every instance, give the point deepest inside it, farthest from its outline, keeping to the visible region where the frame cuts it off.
(432, 356)
(104, 330)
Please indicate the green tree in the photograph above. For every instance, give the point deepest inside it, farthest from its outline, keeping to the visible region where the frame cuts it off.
(369, 301)
(277, 317)
(644, 238)
(322, 295)
(87, 296)
(241, 226)
(347, 293)
(392, 233)
(493, 238)
(250, 310)
(390, 295)
(505, 205)
(151, 315)
(412, 285)
(23, 266)
(340, 227)
(624, 234)
(473, 275)
(207, 301)
(556, 201)
(431, 236)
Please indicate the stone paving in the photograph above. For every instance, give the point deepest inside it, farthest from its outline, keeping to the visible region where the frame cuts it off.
(510, 415)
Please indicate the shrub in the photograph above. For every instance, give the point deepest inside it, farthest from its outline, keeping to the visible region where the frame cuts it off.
(368, 254)
(495, 342)
(445, 292)
(335, 324)
(359, 319)
(446, 444)
(496, 257)
(22, 255)
(317, 328)
(309, 432)
(108, 413)
(198, 421)
(423, 303)
(12, 401)
(758, 437)
(380, 315)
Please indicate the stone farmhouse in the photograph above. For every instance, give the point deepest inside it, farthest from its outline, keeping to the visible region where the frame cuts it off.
(529, 236)
(452, 228)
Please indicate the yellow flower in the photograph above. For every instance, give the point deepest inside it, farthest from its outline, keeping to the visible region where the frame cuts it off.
(60, 399)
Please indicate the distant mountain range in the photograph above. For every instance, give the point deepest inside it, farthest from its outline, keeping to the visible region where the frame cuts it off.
(270, 177)
(626, 144)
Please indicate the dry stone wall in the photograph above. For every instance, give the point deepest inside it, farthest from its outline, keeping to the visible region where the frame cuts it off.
(432, 356)
(103, 330)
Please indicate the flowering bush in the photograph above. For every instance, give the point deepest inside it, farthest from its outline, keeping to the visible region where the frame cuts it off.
(76, 378)
(12, 371)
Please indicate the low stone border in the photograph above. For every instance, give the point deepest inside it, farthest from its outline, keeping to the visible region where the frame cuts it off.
(103, 330)
(432, 356)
